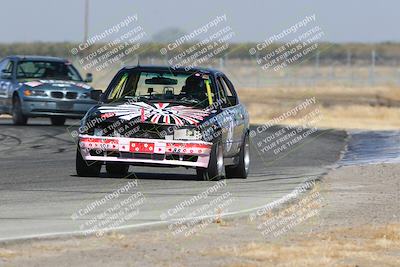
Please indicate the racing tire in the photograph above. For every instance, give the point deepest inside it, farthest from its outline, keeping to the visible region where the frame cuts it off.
(18, 117)
(58, 121)
(215, 170)
(117, 169)
(241, 170)
(86, 168)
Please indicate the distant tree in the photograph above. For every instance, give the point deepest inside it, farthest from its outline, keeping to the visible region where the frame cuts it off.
(167, 35)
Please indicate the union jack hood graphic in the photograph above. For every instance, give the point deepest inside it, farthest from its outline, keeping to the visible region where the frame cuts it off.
(156, 113)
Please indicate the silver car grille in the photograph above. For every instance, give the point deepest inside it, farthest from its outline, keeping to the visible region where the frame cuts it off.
(67, 95)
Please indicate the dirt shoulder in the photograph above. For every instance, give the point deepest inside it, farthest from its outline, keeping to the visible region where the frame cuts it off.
(341, 107)
(355, 223)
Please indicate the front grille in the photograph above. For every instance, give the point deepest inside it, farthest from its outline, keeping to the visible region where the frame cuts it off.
(128, 155)
(190, 158)
(67, 95)
(96, 152)
(56, 94)
(112, 154)
(172, 157)
(113, 127)
(71, 95)
(141, 156)
(149, 131)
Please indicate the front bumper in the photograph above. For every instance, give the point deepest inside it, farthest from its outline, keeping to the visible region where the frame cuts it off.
(145, 151)
(52, 107)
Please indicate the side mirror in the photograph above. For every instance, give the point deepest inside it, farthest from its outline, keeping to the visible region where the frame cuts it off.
(96, 94)
(89, 78)
(6, 75)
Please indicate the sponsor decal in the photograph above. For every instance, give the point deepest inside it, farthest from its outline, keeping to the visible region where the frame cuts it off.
(33, 84)
(107, 115)
(57, 83)
(141, 147)
(157, 113)
(83, 85)
(60, 85)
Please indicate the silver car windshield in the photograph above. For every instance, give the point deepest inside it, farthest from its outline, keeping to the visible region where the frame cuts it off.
(47, 70)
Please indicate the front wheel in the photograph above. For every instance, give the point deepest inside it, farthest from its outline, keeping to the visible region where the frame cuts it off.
(57, 121)
(17, 116)
(241, 170)
(215, 170)
(86, 168)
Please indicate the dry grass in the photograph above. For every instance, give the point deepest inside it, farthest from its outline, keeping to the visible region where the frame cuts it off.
(343, 117)
(7, 254)
(340, 107)
(363, 246)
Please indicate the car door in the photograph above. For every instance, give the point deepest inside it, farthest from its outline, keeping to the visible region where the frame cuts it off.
(233, 123)
(6, 78)
(241, 112)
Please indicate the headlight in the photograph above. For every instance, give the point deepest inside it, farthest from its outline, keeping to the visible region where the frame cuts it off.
(187, 134)
(28, 92)
(87, 122)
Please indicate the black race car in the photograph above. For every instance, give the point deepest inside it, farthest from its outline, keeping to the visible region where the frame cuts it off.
(160, 116)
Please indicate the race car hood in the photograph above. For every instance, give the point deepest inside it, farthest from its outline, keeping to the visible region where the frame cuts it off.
(56, 85)
(155, 113)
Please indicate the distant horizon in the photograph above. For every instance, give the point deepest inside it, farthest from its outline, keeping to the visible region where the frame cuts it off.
(342, 21)
(152, 42)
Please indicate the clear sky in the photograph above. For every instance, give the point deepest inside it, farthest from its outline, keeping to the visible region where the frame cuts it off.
(62, 20)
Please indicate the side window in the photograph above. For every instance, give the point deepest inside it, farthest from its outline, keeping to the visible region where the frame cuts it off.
(6, 68)
(230, 92)
(3, 64)
(119, 88)
(221, 91)
(230, 96)
(9, 67)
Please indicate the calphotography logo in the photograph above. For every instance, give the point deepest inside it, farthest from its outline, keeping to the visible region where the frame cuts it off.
(303, 41)
(111, 211)
(194, 214)
(109, 47)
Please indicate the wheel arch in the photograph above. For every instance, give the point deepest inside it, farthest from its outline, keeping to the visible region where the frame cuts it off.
(15, 95)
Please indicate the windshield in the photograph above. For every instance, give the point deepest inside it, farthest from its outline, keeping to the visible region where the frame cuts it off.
(162, 86)
(47, 70)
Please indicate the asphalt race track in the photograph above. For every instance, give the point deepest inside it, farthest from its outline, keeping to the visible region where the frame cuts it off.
(40, 190)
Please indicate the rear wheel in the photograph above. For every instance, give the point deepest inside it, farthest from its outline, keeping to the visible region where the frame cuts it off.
(18, 117)
(242, 169)
(86, 168)
(117, 169)
(58, 121)
(215, 170)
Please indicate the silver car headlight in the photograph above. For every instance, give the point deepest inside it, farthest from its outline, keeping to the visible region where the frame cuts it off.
(31, 92)
(187, 134)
